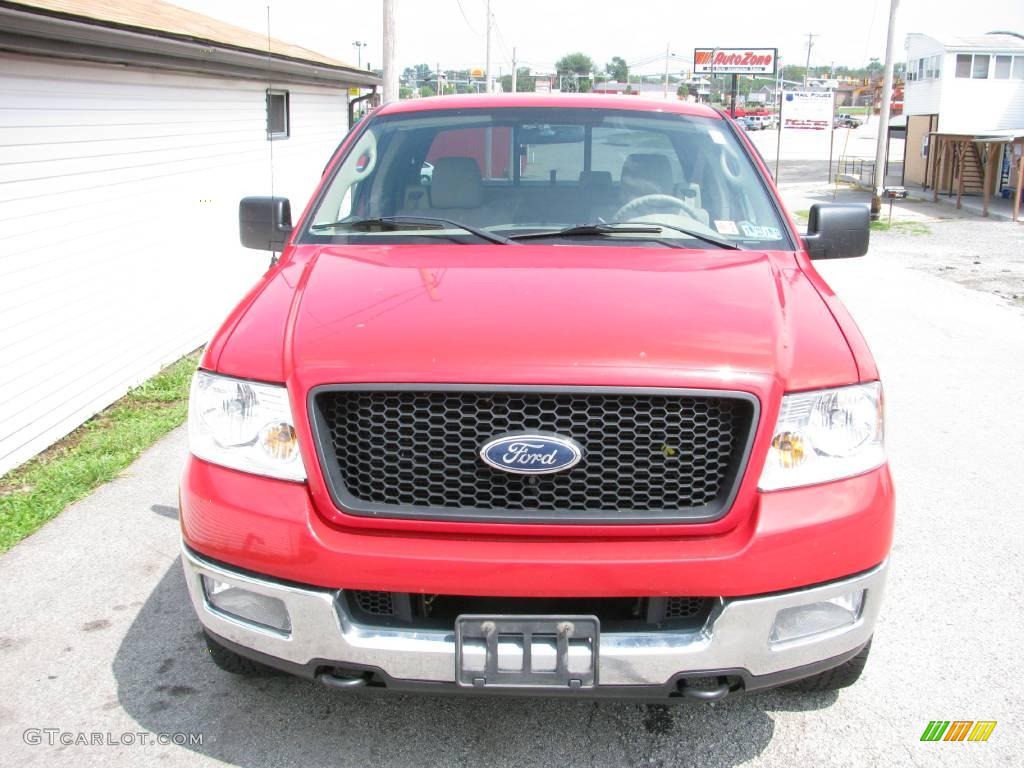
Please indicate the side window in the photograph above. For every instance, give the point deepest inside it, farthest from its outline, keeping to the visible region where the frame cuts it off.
(551, 152)
(963, 65)
(473, 143)
(980, 71)
(278, 117)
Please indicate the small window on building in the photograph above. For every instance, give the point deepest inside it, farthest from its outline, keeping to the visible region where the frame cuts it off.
(1018, 68)
(936, 66)
(920, 69)
(980, 69)
(963, 65)
(1003, 67)
(278, 122)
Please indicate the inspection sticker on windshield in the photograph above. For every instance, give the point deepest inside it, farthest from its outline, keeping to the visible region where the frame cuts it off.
(726, 227)
(759, 232)
(717, 137)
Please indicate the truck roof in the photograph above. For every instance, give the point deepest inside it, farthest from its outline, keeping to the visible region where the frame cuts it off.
(567, 100)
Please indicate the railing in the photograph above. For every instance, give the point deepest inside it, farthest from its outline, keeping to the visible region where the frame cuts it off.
(863, 171)
(855, 168)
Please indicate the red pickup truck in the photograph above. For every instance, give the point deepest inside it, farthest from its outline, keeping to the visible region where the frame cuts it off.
(571, 414)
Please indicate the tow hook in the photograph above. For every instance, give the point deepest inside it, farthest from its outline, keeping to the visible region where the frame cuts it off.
(328, 677)
(720, 691)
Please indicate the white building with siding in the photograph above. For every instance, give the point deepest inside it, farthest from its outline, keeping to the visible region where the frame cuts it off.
(965, 86)
(128, 134)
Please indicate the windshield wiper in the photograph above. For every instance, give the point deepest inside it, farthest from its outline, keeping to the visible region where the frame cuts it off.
(591, 230)
(415, 222)
(626, 228)
(719, 241)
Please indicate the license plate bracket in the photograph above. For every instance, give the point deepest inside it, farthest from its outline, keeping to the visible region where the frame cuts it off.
(527, 651)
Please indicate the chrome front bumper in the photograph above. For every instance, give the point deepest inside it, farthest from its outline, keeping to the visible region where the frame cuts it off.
(735, 636)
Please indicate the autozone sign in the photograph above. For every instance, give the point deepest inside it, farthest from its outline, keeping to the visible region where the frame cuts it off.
(735, 61)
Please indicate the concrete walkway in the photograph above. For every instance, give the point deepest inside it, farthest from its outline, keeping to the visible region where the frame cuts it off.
(998, 208)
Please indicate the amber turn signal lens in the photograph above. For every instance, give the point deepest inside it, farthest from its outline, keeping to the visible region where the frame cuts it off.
(279, 441)
(790, 448)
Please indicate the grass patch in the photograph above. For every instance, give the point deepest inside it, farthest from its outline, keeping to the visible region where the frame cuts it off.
(94, 453)
(801, 216)
(906, 227)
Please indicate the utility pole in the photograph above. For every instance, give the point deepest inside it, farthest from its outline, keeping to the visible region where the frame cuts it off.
(883, 115)
(358, 45)
(390, 44)
(666, 71)
(810, 44)
(440, 89)
(515, 69)
(487, 63)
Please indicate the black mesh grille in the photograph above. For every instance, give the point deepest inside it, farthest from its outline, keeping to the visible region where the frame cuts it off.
(375, 603)
(684, 607)
(643, 453)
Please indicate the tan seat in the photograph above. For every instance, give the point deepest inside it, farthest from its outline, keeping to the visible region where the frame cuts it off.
(456, 184)
(646, 174)
(651, 174)
(457, 193)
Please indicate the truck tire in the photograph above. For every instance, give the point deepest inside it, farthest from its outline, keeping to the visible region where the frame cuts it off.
(843, 676)
(229, 661)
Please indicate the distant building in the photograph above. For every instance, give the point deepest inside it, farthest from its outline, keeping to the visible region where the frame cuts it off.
(648, 89)
(964, 101)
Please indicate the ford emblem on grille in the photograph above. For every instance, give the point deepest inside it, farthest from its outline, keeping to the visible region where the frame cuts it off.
(531, 453)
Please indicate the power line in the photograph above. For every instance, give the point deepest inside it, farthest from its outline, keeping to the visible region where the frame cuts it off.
(466, 19)
(501, 40)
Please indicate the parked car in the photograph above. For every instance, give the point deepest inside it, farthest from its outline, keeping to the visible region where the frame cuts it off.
(847, 121)
(759, 122)
(579, 418)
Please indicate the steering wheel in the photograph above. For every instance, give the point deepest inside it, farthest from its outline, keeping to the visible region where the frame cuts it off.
(654, 204)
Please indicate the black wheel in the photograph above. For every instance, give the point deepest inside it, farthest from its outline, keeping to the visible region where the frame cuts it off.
(843, 676)
(229, 661)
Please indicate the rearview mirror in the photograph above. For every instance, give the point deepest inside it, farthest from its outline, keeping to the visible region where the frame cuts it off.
(838, 231)
(264, 223)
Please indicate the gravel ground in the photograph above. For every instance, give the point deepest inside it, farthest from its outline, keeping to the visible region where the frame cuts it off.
(983, 254)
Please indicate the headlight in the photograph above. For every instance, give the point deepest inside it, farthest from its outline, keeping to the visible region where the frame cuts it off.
(243, 425)
(825, 435)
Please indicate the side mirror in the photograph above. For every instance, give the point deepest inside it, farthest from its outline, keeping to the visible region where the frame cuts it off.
(264, 223)
(838, 231)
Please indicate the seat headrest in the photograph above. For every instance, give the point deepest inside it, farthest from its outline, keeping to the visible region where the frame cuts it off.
(456, 183)
(648, 170)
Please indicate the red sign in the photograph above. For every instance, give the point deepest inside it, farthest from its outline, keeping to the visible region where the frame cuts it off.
(735, 61)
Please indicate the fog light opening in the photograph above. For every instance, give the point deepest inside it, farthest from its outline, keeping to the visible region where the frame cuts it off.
(804, 621)
(245, 605)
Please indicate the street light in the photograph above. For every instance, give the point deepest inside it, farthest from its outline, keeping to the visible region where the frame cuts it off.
(359, 45)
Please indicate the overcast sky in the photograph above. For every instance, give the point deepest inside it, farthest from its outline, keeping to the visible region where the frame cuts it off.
(451, 32)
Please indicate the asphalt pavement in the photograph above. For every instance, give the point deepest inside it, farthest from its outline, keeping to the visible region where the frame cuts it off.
(97, 635)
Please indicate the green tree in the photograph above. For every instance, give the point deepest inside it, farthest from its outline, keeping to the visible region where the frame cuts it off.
(575, 70)
(427, 90)
(524, 81)
(617, 69)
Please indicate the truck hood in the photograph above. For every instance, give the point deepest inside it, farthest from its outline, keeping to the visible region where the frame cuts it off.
(591, 315)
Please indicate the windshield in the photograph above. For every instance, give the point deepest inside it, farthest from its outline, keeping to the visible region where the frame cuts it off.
(515, 171)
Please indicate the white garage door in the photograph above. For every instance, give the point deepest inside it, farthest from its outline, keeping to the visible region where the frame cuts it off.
(119, 249)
